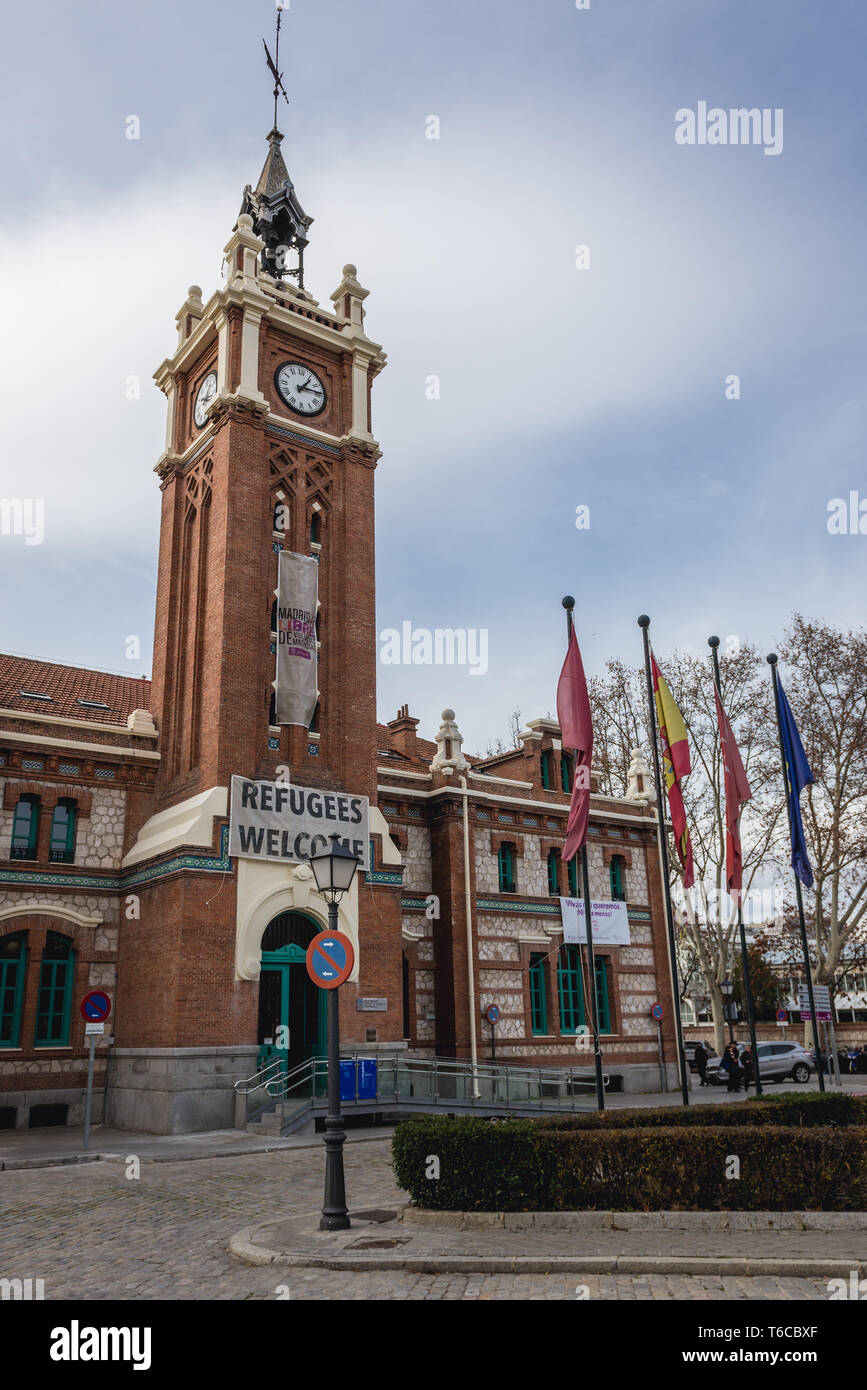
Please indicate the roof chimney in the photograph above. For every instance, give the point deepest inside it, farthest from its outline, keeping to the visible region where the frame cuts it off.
(402, 730)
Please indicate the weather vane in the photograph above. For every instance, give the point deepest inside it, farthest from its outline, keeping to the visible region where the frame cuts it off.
(273, 63)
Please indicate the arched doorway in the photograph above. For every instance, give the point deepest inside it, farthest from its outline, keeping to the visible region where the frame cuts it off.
(291, 1008)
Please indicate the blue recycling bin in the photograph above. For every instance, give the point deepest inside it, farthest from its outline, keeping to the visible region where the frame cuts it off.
(358, 1079)
(367, 1078)
(347, 1080)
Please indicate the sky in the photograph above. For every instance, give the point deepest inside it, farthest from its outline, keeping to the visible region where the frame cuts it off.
(599, 379)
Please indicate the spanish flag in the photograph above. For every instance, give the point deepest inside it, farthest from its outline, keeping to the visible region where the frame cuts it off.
(676, 766)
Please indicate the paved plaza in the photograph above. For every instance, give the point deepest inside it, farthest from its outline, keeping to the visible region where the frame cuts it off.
(91, 1232)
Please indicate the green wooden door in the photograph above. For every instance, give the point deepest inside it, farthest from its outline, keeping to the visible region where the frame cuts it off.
(291, 1009)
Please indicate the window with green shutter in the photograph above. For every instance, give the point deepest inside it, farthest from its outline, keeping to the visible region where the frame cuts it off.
(572, 870)
(25, 828)
(506, 864)
(602, 1002)
(538, 1000)
(570, 989)
(566, 773)
(61, 849)
(615, 874)
(55, 992)
(553, 874)
(13, 957)
(547, 767)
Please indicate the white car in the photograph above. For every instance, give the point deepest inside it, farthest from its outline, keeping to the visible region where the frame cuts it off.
(779, 1061)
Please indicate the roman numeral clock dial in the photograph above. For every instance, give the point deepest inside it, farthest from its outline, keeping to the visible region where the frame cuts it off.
(300, 388)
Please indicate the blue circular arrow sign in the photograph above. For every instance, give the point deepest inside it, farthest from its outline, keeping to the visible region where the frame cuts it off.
(95, 1007)
(330, 958)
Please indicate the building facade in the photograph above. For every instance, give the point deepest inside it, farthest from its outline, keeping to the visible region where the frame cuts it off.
(114, 864)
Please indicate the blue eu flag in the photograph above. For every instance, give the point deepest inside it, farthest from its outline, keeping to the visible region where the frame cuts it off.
(798, 775)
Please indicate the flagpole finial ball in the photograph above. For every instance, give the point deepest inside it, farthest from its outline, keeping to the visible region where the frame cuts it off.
(772, 658)
(568, 601)
(713, 641)
(644, 621)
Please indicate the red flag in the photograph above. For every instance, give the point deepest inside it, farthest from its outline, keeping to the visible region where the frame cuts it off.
(737, 794)
(576, 731)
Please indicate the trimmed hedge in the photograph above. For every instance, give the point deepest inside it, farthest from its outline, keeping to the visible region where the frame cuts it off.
(524, 1165)
(811, 1108)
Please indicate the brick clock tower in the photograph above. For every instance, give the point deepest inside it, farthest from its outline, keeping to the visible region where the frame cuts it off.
(268, 446)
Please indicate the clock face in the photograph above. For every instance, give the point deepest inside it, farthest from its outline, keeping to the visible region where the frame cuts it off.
(207, 392)
(300, 388)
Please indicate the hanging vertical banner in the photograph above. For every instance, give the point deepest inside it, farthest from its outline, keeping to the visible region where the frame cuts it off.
(297, 592)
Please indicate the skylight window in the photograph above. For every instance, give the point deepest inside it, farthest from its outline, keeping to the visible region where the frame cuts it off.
(32, 695)
(92, 704)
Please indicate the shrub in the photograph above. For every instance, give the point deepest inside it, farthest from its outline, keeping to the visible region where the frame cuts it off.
(527, 1165)
(811, 1108)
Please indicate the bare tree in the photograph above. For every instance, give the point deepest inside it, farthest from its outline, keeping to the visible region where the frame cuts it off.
(826, 684)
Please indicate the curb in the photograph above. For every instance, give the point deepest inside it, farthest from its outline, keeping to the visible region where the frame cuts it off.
(244, 1248)
(13, 1164)
(636, 1220)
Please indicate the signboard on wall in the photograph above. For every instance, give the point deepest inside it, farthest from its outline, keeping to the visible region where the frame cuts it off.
(609, 920)
(282, 823)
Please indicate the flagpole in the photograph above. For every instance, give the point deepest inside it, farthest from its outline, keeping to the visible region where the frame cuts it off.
(805, 947)
(644, 624)
(569, 604)
(713, 643)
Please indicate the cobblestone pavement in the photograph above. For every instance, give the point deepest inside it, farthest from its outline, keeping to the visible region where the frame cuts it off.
(90, 1232)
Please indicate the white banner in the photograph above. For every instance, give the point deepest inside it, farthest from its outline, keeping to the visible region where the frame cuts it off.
(609, 920)
(276, 821)
(297, 592)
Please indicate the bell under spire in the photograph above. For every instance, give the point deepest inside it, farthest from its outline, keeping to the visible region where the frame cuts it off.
(278, 217)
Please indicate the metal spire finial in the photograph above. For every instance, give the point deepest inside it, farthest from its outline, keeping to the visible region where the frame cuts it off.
(274, 64)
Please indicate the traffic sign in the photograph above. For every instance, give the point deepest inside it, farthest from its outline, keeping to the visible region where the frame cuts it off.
(492, 1013)
(330, 958)
(95, 1007)
(821, 996)
(656, 1012)
(782, 1016)
(94, 1030)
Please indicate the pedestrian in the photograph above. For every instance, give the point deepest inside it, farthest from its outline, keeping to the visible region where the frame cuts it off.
(731, 1064)
(860, 1063)
(700, 1059)
(747, 1064)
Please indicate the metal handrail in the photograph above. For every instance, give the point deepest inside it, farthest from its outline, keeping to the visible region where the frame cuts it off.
(252, 1083)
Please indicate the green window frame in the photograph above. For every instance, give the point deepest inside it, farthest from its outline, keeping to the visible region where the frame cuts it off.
(61, 846)
(602, 1000)
(54, 1000)
(315, 528)
(547, 764)
(615, 876)
(570, 991)
(572, 871)
(25, 827)
(13, 965)
(506, 868)
(538, 996)
(566, 772)
(553, 873)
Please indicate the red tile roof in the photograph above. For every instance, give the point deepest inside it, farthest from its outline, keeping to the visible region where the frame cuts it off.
(67, 685)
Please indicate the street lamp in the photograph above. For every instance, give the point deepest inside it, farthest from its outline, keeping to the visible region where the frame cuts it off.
(727, 988)
(334, 870)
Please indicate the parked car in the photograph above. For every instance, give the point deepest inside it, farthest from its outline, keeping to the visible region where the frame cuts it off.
(778, 1061)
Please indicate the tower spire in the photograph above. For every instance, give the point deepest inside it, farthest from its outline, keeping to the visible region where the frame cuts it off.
(278, 217)
(274, 63)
